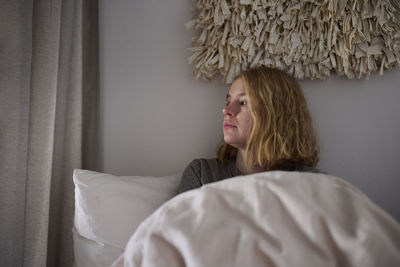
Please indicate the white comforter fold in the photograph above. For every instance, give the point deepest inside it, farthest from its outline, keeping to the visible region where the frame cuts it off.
(267, 219)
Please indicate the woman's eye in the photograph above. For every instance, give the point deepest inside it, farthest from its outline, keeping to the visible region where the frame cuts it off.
(243, 103)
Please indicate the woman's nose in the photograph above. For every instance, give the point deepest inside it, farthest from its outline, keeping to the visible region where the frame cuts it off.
(228, 111)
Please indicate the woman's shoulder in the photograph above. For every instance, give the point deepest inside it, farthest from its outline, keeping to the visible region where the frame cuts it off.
(212, 169)
(198, 164)
(200, 171)
(204, 165)
(206, 162)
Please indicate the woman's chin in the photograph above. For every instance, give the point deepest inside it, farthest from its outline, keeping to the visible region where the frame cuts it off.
(229, 141)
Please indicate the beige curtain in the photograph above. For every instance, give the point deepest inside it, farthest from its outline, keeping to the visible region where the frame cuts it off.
(48, 124)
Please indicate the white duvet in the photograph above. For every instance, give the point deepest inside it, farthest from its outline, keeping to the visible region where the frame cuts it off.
(267, 219)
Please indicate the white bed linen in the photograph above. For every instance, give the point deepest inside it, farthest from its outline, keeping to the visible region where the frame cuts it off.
(267, 219)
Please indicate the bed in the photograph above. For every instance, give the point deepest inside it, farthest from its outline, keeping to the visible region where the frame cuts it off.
(265, 219)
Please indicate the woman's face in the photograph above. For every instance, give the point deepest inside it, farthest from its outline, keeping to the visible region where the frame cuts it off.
(237, 119)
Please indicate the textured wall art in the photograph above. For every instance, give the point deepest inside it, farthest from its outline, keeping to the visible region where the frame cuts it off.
(306, 38)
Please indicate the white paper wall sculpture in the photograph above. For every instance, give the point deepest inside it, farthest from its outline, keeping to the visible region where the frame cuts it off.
(306, 38)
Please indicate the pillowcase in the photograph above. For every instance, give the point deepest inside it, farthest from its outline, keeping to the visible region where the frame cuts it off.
(108, 210)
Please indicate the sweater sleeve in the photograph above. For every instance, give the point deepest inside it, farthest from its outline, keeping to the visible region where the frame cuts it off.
(191, 177)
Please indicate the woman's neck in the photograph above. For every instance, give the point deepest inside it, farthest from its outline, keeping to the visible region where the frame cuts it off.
(243, 167)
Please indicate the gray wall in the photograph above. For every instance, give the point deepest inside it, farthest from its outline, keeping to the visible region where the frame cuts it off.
(156, 118)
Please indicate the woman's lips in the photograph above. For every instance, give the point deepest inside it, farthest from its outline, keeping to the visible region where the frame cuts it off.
(229, 126)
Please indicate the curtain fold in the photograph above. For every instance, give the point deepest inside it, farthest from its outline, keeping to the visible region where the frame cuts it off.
(48, 108)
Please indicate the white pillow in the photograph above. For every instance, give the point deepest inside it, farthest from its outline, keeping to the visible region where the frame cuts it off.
(108, 210)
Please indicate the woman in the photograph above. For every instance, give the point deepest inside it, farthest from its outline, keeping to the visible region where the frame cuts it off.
(267, 126)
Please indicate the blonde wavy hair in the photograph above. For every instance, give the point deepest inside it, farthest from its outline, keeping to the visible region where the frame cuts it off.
(282, 135)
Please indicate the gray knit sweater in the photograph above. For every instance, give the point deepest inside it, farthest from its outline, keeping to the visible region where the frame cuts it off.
(204, 171)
